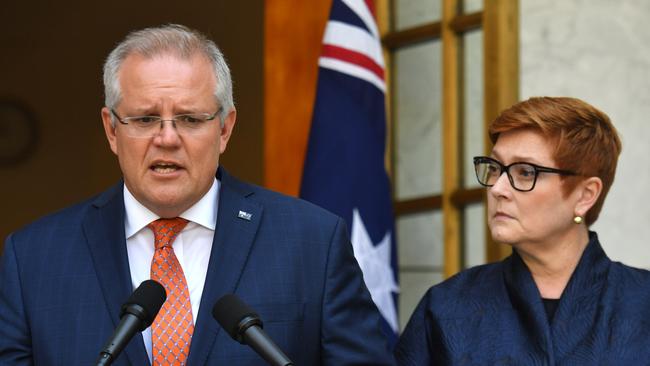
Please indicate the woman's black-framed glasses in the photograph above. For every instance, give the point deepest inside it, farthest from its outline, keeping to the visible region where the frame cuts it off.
(522, 176)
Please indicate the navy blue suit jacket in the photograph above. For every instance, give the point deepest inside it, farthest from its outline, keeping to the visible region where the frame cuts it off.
(64, 278)
(494, 315)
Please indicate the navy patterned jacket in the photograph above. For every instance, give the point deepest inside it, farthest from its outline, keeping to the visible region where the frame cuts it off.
(494, 315)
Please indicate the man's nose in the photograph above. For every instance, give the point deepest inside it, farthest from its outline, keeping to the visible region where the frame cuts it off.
(168, 133)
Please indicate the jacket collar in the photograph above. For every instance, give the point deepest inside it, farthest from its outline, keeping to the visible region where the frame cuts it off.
(103, 228)
(238, 220)
(582, 292)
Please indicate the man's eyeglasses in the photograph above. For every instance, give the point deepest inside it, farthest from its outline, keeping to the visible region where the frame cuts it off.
(522, 176)
(149, 126)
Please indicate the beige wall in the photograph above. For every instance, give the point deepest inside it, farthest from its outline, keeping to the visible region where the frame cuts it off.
(51, 59)
(599, 51)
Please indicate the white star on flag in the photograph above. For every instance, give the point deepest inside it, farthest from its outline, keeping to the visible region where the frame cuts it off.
(374, 261)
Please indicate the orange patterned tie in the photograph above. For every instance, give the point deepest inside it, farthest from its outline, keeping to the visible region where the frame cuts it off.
(171, 331)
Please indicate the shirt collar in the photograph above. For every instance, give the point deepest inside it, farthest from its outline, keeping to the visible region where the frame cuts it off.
(203, 212)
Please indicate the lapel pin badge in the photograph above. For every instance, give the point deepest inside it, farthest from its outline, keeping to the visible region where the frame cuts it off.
(245, 215)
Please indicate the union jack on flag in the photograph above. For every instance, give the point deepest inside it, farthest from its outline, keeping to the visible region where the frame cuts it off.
(344, 169)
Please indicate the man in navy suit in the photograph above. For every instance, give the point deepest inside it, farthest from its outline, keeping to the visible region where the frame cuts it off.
(169, 115)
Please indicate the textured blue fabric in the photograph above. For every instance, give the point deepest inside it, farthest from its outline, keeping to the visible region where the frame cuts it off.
(64, 278)
(494, 315)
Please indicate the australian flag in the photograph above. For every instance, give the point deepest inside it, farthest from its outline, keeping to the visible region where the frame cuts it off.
(344, 169)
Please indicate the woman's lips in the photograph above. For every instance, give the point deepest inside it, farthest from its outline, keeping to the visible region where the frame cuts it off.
(502, 215)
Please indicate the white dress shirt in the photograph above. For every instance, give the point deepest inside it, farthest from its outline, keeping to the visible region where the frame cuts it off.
(192, 246)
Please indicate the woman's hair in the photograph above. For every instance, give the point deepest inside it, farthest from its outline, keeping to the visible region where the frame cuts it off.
(586, 141)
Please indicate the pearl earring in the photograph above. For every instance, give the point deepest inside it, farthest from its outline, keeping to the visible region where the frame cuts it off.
(577, 219)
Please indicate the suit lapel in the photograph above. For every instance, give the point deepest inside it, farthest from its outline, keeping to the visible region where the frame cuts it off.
(582, 301)
(103, 227)
(238, 220)
(526, 300)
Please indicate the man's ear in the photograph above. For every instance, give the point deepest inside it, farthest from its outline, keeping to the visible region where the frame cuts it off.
(109, 129)
(588, 192)
(226, 130)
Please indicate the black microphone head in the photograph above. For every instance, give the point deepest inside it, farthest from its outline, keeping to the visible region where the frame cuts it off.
(234, 316)
(145, 302)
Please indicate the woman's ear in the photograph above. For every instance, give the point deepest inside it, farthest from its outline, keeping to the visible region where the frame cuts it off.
(587, 192)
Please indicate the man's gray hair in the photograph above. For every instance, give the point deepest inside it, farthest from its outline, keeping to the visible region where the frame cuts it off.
(172, 39)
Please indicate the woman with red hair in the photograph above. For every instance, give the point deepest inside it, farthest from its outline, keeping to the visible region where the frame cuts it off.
(558, 299)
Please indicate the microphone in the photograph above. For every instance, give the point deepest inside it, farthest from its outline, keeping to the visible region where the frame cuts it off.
(137, 314)
(245, 326)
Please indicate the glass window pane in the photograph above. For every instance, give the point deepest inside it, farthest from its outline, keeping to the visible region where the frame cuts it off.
(474, 235)
(473, 124)
(471, 6)
(413, 285)
(420, 238)
(411, 13)
(418, 112)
